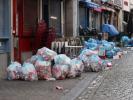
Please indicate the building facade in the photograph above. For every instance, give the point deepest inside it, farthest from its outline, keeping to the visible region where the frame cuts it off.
(126, 12)
(58, 14)
(95, 13)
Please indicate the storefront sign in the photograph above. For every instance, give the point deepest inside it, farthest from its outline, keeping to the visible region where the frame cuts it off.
(108, 1)
(118, 3)
(97, 1)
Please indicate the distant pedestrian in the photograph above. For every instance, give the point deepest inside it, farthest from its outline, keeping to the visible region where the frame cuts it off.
(130, 24)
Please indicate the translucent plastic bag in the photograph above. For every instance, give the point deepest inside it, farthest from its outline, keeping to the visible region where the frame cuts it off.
(110, 54)
(86, 62)
(14, 71)
(108, 46)
(91, 40)
(29, 72)
(76, 68)
(60, 71)
(130, 43)
(125, 40)
(95, 63)
(90, 45)
(88, 52)
(106, 63)
(34, 58)
(116, 49)
(112, 44)
(62, 59)
(43, 69)
(46, 53)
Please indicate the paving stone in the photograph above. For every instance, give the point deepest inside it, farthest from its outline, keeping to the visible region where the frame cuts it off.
(118, 84)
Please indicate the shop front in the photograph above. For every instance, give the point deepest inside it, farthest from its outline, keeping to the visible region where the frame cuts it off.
(27, 14)
(107, 15)
(89, 16)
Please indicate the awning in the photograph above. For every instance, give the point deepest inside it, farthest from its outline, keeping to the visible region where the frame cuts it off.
(89, 4)
(98, 9)
(107, 8)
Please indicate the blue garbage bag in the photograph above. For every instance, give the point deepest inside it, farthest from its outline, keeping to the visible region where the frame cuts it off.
(125, 40)
(104, 41)
(116, 49)
(110, 53)
(99, 42)
(113, 44)
(110, 29)
(130, 43)
(92, 40)
(90, 45)
(107, 46)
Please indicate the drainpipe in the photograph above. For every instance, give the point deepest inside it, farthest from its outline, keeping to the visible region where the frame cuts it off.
(75, 18)
(11, 30)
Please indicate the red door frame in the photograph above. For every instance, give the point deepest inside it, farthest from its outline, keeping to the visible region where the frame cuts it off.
(24, 37)
(18, 22)
(20, 25)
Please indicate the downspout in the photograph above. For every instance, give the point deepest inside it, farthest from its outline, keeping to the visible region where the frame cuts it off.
(11, 30)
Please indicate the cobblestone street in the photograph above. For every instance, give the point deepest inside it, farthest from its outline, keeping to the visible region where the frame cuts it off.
(116, 85)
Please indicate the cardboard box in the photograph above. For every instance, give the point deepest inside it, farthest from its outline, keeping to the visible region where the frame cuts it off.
(105, 36)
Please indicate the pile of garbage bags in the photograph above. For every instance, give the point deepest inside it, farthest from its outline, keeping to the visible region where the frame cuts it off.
(126, 41)
(105, 49)
(47, 64)
(95, 52)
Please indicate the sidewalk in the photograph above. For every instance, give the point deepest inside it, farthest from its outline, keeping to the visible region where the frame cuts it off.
(116, 84)
(42, 90)
(46, 90)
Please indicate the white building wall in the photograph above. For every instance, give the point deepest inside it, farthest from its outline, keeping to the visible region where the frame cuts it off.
(126, 5)
(131, 4)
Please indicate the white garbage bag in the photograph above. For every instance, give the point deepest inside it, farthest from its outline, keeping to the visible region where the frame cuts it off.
(76, 68)
(14, 71)
(62, 59)
(46, 53)
(34, 58)
(95, 63)
(86, 62)
(60, 71)
(29, 72)
(43, 69)
(88, 52)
